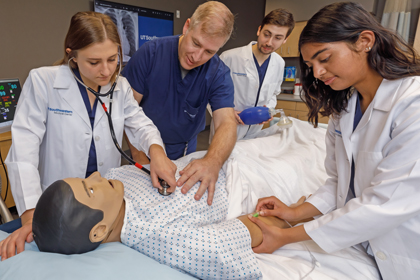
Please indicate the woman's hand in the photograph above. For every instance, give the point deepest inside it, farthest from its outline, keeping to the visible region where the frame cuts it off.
(272, 206)
(161, 167)
(15, 242)
(275, 237)
(272, 237)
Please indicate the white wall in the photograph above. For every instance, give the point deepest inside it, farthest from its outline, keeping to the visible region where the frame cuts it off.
(305, 9)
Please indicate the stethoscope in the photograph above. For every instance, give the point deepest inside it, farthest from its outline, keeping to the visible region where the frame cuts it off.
(164, 191)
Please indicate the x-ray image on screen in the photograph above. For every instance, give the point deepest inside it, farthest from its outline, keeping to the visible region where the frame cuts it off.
(136, 25)
(127, 24)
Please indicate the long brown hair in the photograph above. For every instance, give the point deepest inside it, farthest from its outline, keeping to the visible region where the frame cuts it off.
(390, 56)
(87, 28)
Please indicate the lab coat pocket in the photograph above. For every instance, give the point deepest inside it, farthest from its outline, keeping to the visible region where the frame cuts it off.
(190, 112)
(365, 169)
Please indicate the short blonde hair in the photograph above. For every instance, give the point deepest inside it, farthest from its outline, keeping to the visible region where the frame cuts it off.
(215, 19)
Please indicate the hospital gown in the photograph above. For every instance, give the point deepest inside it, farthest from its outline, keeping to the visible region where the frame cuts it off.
(183, 233)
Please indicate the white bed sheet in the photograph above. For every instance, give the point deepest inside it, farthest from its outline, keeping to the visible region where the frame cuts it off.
(288, 164)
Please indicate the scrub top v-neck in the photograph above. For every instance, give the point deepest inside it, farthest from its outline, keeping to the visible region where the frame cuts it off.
(357, 117)
(261, 73)
(177, 106)
(92, 165)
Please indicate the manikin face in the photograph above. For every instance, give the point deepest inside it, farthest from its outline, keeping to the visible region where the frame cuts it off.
(270, 38)
(196, 48)
(99, 193)
(335, 64)
(97, 63)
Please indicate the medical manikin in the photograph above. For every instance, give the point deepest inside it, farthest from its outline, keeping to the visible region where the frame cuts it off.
(76, 215)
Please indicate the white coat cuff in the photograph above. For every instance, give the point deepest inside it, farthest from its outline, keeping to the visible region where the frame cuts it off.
(25, 185)
(319, 204)
(313, 229)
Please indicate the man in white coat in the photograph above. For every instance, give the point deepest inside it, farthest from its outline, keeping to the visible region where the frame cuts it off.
(257, 70)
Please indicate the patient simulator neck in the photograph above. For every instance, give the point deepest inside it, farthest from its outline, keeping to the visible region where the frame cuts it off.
(115, 232)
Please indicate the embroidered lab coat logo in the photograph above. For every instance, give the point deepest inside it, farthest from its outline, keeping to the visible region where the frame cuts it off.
(61, 112)
(239, 74)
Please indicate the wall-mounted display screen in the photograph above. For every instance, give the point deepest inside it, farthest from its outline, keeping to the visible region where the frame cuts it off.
(136, 25)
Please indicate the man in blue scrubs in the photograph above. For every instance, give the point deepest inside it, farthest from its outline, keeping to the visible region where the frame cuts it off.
(174, 78)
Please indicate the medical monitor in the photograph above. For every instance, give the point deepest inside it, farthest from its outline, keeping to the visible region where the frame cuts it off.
(9, 94)
(136, 25)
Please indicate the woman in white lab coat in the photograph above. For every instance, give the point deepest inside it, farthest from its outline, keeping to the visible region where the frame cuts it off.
(367, 80)
(59, 131)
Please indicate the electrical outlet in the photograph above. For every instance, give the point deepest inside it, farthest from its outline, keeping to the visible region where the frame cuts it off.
(178, 14)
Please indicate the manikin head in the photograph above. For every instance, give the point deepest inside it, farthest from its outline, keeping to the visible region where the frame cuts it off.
(204, 34)
(274, 31)
(74, 215)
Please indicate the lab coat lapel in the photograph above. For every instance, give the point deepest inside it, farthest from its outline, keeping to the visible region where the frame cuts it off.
(272, 64)
(250, 68)
(346, 125)
(383, 101)
(66, 85)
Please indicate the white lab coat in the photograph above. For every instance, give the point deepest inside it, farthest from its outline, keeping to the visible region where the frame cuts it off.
(386, 210)
(52, 134)
(246, 81)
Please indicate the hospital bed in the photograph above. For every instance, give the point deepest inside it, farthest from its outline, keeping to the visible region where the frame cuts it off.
(286, 164)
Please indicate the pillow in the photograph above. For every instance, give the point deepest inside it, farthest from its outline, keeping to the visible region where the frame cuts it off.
(108, 261)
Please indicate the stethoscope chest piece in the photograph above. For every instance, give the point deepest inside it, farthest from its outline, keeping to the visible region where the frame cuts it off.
(164, 190)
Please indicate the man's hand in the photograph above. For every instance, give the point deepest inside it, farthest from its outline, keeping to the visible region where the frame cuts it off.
(238, 118)
(161, 167)
(15, 242)
(269, 120)
(200, 170)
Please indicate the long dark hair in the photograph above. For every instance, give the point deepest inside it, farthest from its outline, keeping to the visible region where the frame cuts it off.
(390, 56)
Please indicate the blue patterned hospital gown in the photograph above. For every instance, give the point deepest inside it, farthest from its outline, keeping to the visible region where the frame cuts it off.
(182, 233)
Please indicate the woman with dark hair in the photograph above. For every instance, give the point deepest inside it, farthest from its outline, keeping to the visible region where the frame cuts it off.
(58, 130)
(366, 79)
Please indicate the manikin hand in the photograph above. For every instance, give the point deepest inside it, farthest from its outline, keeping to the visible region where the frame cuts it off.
(161, 166)
(15, 242)
(200, 170)
(238, 119)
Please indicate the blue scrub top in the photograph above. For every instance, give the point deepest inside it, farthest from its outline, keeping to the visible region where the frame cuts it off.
(357, 117)
(177, 106)
(92, 165)
(261, 74)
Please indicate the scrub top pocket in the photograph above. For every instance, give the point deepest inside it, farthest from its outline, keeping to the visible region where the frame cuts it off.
(190, 112)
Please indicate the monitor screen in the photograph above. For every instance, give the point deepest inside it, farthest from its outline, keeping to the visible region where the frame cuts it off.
(9, 94)
(136, 25)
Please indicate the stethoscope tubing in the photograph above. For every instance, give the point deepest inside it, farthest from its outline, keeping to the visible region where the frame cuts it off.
(110, 93)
